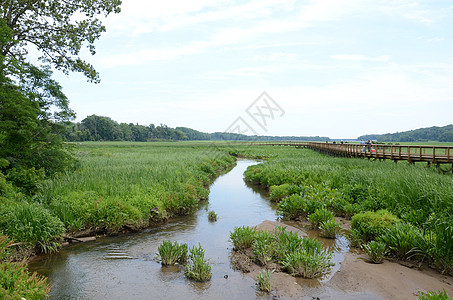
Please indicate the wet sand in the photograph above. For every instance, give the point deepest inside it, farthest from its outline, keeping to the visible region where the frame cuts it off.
(355, 279)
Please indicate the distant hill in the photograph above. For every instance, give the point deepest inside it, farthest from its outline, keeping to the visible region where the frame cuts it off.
(193, 134)
(435, 134)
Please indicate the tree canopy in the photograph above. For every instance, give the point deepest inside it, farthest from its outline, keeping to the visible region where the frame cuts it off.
(33, 107)
(58, 29)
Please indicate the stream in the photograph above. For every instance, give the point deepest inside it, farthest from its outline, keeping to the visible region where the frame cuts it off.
(124, 267)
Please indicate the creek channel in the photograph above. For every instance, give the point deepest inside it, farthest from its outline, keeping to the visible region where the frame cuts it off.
(124, 267)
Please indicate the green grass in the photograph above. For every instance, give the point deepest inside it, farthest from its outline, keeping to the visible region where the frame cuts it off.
(302, 257)
(415, 194)
(129, 185)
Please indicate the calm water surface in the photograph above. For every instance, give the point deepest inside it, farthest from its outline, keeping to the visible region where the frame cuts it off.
(123, 267)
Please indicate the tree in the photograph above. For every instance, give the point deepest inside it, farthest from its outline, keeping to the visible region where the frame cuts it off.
(56, 30)
(33, 107)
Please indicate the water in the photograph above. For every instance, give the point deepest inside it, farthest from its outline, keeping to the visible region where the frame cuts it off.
(124, 267)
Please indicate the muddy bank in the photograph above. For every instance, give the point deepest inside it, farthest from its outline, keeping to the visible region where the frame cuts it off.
(354, 278)
(389, 280)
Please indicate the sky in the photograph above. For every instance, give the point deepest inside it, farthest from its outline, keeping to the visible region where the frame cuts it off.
(336, 68)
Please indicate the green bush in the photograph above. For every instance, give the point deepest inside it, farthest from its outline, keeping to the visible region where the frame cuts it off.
(27, 180)
(172, 253)
(286, 242)
(198, 267)
(371, 225)
(242, 237)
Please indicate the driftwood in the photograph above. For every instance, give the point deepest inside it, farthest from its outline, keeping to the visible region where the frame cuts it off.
(80, 240)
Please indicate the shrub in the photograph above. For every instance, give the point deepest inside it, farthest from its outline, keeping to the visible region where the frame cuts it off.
(27, 180)
(329, 229)
(264, 281)
(242, 237)
(212, 216)
(198, 268)
(320, 216)
(371, 225)
(172, 253)
(376, 251)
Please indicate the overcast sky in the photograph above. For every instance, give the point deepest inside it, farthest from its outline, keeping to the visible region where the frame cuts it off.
(337, 68)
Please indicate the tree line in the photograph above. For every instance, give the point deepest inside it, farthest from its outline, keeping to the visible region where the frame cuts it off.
(433, 134)
(101, 128)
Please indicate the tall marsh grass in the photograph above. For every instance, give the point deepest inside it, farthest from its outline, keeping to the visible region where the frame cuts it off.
(129, 185)
(415, 194)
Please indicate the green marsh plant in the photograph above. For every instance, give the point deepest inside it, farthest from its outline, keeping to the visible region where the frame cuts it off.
(263, 247)
(198, 268)
(376, 250)
(212, 216)
(320, 216)
(172, 253)
(431, 295)
(242, 237)
(264, 281)
(329, 229)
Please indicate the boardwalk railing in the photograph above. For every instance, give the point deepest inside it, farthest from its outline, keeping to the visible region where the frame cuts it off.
(411, 153)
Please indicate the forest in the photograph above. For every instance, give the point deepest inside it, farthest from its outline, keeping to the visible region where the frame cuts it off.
(429, 134)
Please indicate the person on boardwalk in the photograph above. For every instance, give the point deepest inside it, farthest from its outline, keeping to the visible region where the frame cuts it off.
(368, 145)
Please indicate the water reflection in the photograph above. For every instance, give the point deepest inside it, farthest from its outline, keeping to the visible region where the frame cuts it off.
(123, 267)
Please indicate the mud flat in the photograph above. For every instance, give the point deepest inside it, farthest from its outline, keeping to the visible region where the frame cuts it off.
(354, 278)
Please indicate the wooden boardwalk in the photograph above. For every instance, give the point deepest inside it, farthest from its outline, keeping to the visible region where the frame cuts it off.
(412, 153)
